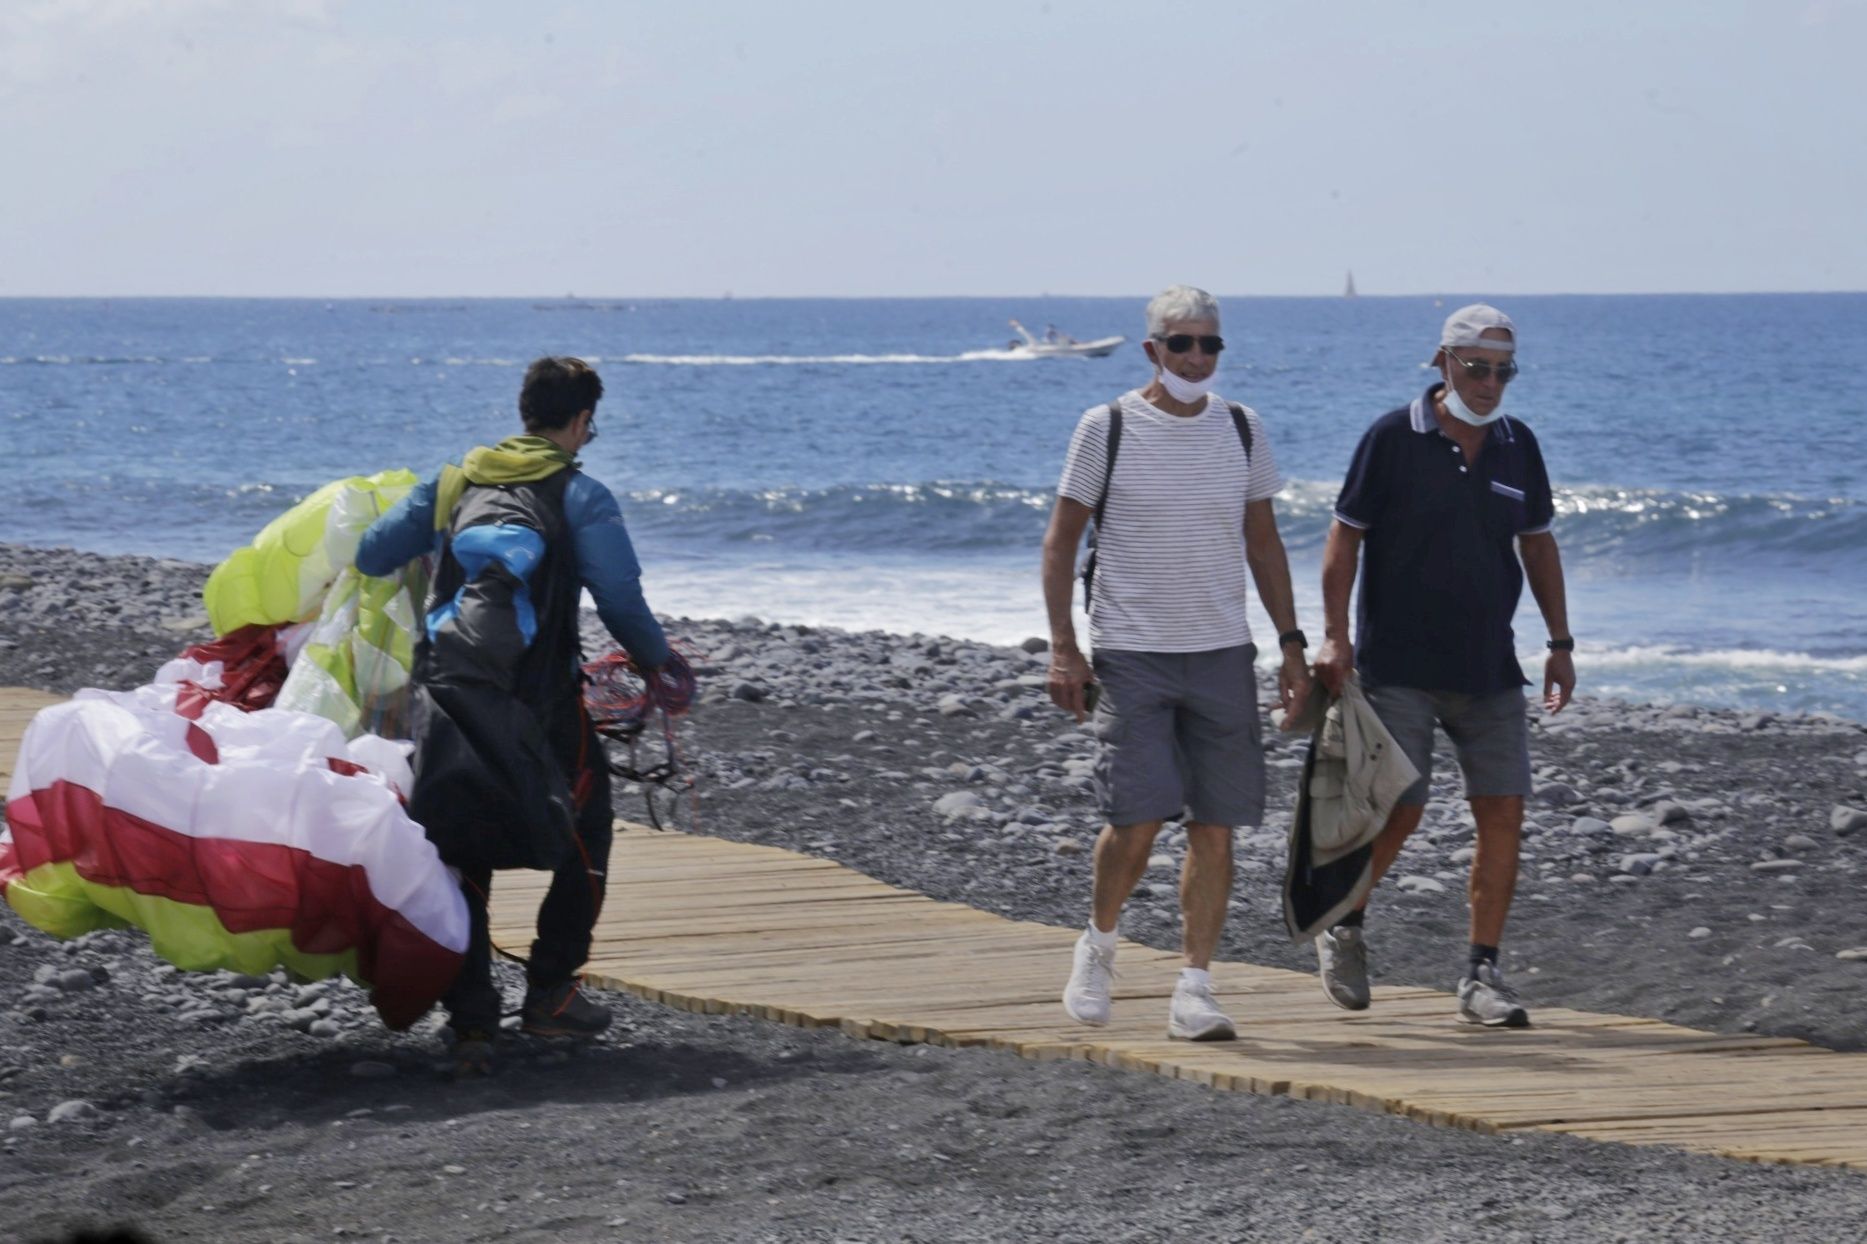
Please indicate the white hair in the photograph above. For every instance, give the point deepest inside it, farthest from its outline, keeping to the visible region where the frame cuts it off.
(1180, 302)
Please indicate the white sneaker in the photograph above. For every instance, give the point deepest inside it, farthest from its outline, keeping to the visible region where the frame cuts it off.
(1485, 999)
(1195, 1015)
(1086, 997)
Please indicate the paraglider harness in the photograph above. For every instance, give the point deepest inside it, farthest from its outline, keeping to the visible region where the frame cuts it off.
(500, 727)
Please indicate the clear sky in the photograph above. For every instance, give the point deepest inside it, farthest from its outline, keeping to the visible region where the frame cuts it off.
(330, 148)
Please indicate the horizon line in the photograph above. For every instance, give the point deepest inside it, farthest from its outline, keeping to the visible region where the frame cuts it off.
(729, 296)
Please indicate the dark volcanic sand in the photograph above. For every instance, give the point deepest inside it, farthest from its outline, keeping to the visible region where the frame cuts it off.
(216, 1108)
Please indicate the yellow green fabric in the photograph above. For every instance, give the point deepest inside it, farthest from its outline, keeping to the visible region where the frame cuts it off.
(55, 899)
(515, 460)
(283, 575)
(354, 668)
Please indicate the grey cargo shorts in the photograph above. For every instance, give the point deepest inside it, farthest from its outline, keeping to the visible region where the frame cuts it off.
(1180, 736)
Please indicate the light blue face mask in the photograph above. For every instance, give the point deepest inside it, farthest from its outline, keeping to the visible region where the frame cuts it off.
(1456, 407)
(1186, 391)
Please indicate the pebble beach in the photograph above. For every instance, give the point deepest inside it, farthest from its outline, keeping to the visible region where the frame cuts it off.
(1697, 865)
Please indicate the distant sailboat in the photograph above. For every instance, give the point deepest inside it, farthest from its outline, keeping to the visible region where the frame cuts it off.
(1348, 291)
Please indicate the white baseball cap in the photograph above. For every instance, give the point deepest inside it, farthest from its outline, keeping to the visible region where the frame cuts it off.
(1465, 327)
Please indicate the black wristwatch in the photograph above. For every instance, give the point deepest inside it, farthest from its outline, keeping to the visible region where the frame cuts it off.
(1293, 637)
(1562, 645)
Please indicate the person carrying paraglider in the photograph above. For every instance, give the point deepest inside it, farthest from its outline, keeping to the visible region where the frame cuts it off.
(508, 771)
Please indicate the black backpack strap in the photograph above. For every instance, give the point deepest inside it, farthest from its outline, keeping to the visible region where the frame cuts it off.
(1244, 427)
(1108, 467)
(1102, 499)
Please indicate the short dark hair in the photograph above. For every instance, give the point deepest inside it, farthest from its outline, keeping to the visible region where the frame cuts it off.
(556, 391)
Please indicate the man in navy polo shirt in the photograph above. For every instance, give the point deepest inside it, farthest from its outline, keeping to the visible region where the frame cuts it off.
(1446, 495)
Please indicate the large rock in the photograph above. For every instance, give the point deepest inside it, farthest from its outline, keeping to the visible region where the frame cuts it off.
(957, 803)
(1558, 795)
(1845, 820)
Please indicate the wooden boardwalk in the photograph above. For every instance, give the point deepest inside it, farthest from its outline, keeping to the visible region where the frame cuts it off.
(715, 926)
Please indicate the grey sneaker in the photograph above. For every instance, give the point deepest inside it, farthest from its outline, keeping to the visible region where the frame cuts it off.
(1086, 997)
(1194, 1015)
(1342, 954)
(1485, 999)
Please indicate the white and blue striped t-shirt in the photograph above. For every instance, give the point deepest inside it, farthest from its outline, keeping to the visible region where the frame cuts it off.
(1170, 558)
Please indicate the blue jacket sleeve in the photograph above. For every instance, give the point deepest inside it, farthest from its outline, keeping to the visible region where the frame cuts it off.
(606, 563)
(404, 533)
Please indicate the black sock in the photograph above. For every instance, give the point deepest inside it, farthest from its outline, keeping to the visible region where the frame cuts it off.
(1482, 954)
(1353, 920)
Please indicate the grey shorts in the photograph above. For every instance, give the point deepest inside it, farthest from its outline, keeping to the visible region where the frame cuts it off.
(1180, 737)
(1489, 731)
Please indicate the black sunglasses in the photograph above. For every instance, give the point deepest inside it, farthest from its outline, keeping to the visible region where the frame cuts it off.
(1180, 343)
(1480, 370)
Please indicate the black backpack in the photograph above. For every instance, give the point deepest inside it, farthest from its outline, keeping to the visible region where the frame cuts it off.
(1108, 473)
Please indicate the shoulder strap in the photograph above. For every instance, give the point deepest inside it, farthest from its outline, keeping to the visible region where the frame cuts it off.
(1108, 467)
(1243, 425)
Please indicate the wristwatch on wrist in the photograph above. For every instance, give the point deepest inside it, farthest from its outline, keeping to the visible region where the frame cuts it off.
(1562, 645)
(1293, 637)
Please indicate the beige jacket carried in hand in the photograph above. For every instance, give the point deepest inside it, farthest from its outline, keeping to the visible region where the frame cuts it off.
(1354, 775)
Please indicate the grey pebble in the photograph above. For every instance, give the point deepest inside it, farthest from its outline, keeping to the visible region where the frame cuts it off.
(1414, 884)
(1845, 820)
(72, 1112)
(75, 980)
(957, 803)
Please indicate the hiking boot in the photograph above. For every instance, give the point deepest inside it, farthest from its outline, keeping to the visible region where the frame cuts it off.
(562, 1010)
(1342, 956)
(1086, 997)
(1194, 1015)
(1485, 999)
(472, 1051)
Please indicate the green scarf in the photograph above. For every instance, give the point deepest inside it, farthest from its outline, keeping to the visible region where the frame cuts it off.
(515, 460)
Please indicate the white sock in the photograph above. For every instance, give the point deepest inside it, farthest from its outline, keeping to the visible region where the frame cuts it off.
(1101, 940)
(1199, 977)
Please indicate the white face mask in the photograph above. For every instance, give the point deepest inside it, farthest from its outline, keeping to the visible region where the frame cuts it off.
(1183, 390)
(1456, 407)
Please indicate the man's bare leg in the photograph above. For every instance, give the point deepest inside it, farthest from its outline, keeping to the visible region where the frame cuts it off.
(1205, 890)
(1401, 823)
(1120, 860)
(1494, 864)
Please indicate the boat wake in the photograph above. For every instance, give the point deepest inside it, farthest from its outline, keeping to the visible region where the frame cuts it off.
(798, 360)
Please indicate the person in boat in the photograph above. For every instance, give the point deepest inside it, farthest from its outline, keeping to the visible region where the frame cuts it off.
(1446, 495)
(508, 771)
(1179, 483)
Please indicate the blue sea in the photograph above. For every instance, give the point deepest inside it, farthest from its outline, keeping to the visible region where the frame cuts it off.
(887, 464)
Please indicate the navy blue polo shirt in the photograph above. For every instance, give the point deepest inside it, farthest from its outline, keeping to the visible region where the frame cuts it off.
(1440, 579)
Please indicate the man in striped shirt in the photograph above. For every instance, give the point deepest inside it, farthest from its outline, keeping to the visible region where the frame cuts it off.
(1179, 483)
